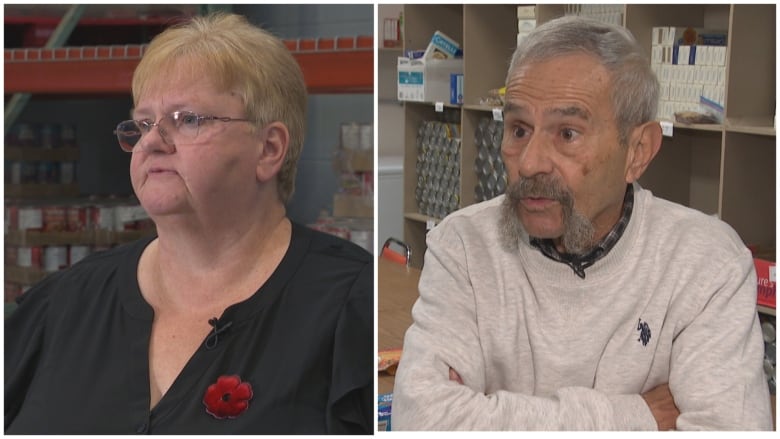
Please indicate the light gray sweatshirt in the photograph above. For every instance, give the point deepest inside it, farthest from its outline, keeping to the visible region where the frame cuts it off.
(539, 348)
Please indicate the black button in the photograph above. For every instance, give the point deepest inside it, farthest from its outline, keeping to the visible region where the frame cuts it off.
(142, 427)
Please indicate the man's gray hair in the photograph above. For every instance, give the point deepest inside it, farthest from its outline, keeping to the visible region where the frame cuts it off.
(634, 85)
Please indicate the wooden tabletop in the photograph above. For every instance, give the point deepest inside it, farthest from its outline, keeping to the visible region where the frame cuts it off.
(397, 294)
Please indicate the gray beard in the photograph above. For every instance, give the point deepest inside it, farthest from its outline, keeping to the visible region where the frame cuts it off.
(578, 230)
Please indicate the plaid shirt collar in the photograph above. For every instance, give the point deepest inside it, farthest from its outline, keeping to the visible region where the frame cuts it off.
(580, 263)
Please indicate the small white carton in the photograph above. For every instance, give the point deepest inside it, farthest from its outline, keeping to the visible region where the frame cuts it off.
(426, 80)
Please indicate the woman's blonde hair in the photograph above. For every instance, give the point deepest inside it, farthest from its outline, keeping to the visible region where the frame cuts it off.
(243, 58)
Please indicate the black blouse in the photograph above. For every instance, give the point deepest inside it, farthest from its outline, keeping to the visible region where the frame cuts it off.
(77, 350)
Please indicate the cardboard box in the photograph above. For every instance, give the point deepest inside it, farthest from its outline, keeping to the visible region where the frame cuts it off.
(670, 36)
(765, 271)
(442, 47)
(526, 25)
(351, 160)
(353, 206)
(426, 80)
(526, 12)
(384, 411)
(456, 89)
(392, 33)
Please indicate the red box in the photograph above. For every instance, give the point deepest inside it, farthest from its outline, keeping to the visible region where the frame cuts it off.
(765, 270)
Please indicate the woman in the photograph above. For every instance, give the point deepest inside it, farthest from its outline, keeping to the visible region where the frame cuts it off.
(232, 319)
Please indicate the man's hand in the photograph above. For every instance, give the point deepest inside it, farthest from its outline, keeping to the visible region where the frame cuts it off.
(661, 404)
(455, 377)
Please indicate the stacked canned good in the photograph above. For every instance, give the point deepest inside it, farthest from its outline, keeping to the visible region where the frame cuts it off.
(438, 168)
(770, 345)
(40, 171)
(488, 166)
(112, 214)
(355, 159)
(41, 136)
(59, 223)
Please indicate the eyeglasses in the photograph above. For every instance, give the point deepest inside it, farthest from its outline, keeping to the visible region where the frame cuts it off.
(175, 127)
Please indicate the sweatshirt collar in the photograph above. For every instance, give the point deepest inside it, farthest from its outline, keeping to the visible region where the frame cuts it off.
(579, 263)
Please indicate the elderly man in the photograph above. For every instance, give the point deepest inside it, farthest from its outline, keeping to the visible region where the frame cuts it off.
(578, 300)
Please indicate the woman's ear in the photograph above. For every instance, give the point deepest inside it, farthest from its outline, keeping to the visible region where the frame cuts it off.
(642, 148)
(275, 142)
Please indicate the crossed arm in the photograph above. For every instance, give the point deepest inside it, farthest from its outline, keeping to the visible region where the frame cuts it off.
(442, 379)
(659, 400)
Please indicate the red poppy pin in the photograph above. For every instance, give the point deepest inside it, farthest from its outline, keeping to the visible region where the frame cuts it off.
(228, 397)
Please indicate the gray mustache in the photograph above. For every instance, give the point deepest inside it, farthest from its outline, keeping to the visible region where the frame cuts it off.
(539, 187)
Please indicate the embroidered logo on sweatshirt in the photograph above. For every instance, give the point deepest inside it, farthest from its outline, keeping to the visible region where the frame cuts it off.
(644, 332)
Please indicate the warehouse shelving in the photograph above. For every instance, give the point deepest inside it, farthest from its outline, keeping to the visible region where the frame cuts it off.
(330, 65)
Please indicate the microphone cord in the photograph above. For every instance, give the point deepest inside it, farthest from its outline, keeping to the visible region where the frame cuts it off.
(213, 338)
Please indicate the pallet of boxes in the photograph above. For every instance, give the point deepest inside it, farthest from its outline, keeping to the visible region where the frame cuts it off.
(353, 203)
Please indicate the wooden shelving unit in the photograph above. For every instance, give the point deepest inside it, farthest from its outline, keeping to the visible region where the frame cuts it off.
(726, 169)
(53, 154)
(24, 275)
(41, 190)
(24, 238)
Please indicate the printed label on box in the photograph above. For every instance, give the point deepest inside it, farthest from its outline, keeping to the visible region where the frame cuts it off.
(456, 89)
(410, 78)
(766, 282)
(426, 80)
(441, 47)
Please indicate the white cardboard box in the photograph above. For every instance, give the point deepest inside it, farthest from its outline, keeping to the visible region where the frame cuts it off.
(426, 80)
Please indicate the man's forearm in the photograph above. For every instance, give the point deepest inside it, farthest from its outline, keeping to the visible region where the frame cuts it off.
(423, 403)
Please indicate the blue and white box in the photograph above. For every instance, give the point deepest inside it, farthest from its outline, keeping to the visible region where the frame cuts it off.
(442, 47)
(456, 89)
(426, 80)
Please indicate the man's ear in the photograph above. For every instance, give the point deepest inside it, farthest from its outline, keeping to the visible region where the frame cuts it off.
(275, 142)
(643, 145)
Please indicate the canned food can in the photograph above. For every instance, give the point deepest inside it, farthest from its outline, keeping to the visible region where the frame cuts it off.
(48, 172)
(768, 331)
(367, 183)
(29, 172)
(367, 137)
(77, 252)
(14, 172)
(130, 217)
(30, 257)
(30, 218)
(50, 135)
(67, 173)
(77, 218)
(103, 217)
(350, 135)
(25, 135)
(55, 257)
(11, 217)
(55, 218)
(68, 136)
